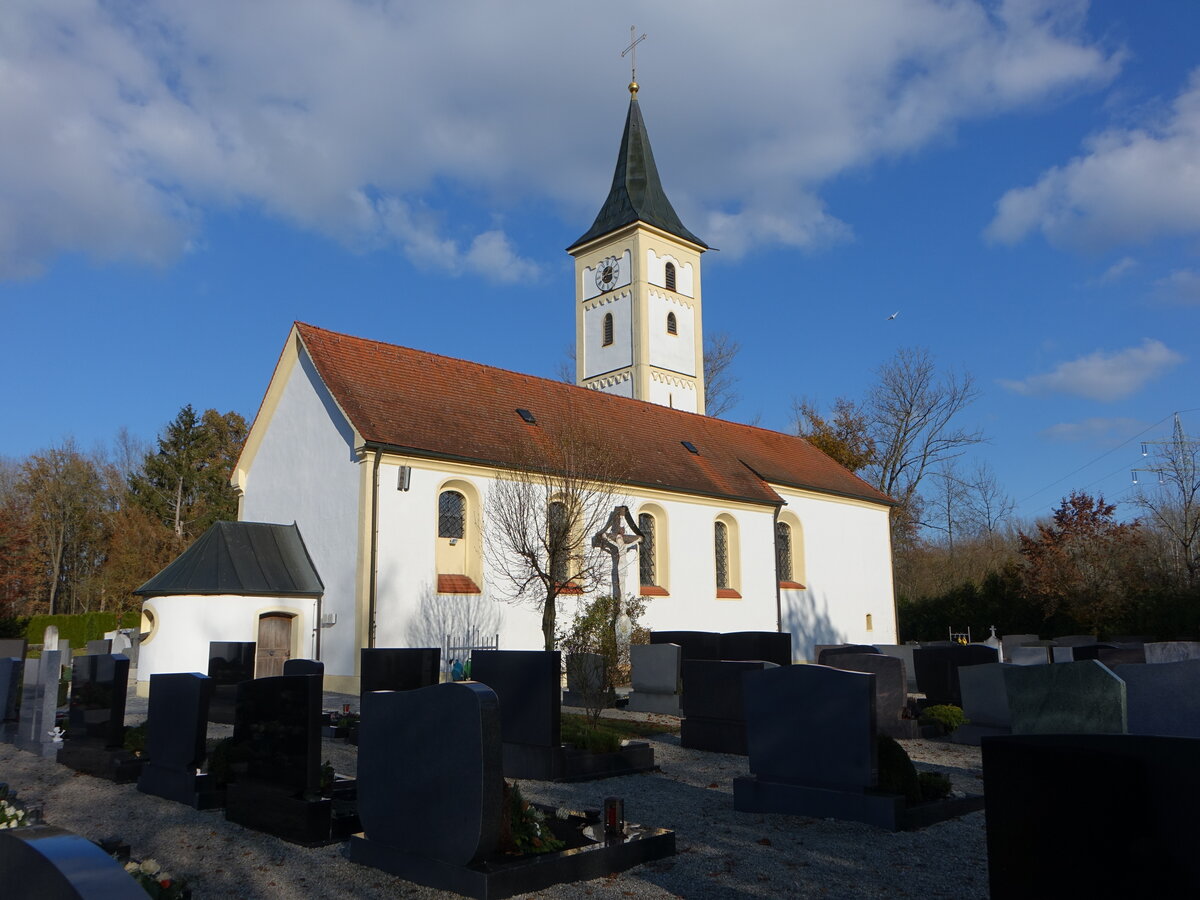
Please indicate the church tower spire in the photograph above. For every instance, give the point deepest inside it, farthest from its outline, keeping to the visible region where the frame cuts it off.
(637, 285)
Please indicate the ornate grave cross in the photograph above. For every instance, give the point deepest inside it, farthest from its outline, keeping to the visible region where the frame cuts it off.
(634, 40)
(621, 545)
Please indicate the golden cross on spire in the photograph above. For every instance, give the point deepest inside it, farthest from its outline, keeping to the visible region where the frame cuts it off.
(634, 40)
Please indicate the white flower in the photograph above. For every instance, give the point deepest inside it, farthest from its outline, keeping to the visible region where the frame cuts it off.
(150, 866)
(131, 866)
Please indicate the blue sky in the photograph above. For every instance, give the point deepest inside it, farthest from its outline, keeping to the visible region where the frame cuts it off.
(1021, 181)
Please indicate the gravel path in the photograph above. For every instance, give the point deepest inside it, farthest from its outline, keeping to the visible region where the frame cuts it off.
(721, 853)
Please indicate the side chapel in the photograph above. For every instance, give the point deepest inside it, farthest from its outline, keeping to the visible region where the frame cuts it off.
(384, 456)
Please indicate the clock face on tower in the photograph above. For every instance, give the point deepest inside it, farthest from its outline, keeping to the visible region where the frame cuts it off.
(607, 273)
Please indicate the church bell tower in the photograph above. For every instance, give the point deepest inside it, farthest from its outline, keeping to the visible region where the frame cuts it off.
(637, 287)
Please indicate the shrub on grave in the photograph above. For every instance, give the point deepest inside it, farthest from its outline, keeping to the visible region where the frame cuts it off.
(934, 786)
(897, 774)
(945, 716)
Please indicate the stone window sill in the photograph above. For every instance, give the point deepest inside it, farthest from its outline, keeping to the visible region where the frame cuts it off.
(728, 594)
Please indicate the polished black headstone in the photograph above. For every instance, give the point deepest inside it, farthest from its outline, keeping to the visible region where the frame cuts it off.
(772, 646)
(811, 725)
(429, 770)
(97, 710)
(587, 681)
(398, 668)
(1108, 806)
(891, 689)
(99, 648)
(692, 644)
(528, 684)
(937, 669)
(230, 662)
(303, 667)
(1163, 698)
(178, 720)
(277, 731)
(48, 863)
(714, 716)
(827, 653)
(16, 647)
(10, 688)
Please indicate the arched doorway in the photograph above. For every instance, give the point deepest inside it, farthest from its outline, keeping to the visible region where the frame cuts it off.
(274, 644)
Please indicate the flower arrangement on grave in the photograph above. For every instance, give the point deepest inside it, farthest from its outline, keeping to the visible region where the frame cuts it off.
(523, 828)
(156, 881)
(11, 815)
(135, 738)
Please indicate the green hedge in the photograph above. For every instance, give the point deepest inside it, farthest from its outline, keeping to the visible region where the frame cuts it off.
(77, 629)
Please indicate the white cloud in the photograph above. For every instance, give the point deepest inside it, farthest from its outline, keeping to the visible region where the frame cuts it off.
(121, 125)
(1130, 186)
(1106, 432)
(1117, 270)
(1103, 376)
(1181, 286)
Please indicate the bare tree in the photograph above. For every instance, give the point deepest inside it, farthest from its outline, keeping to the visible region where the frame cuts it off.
(912, 411)
(988, 508)
(1172, 501)
(720, 350)
(540, 518)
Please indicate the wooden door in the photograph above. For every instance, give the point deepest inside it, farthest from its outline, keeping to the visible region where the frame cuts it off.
(274, 644)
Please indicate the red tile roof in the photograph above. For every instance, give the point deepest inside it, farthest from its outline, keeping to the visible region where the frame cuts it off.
(436, 406)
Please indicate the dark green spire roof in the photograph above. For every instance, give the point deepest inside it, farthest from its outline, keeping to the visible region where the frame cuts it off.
(636, 194)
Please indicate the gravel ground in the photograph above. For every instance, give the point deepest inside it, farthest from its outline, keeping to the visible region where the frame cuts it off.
(721, 853)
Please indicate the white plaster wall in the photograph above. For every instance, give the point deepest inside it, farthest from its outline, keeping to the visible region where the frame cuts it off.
(305, 471)
(185, 625)
(656, 273)
(597, 357)
(588, 288)
(692, 578)
(621, 386)
(677, 396)
(676, 352)
(847, 574)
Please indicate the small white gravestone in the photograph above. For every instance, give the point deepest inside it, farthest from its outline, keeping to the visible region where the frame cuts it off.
(50, 638)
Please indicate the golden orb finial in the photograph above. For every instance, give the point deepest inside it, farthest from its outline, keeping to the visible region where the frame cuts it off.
(633, 89)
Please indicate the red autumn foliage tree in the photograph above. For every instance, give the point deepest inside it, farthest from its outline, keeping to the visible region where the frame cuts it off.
(1083, 562)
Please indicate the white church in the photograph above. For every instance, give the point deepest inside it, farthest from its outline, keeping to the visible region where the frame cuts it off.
(384, 457)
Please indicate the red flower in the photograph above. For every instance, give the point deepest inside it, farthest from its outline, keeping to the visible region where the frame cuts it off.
(165, 883)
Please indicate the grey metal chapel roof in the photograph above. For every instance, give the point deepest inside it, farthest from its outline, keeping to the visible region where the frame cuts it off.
(636, 194)
(247, 558)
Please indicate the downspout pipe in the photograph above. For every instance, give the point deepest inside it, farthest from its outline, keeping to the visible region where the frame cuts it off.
(373, 581)
(778, 590)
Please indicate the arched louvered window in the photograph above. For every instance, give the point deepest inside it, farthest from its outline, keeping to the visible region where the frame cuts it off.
(670, 276)
(608, 329)
(783, 551)
(451, 505)
(721, 534)
(646, 551)
(672, 325)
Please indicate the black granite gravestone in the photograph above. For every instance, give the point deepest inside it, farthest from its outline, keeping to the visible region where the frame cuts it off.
(277, 764)
(713, 715)
(10, 688)
(692, 644)
(771, 646)
(229, 664)
(528, 684)
(101, 647)
(96, 719)
(1122, 656)
(937, 669)
(891, 690)
(1163, 698)
(398, 668)
(13, 647)
(39, 704)
(430, 762)
(303, 667)
(1108, 806)
(48, 863)
(178, 725)
(1080, 652)
(827, 653)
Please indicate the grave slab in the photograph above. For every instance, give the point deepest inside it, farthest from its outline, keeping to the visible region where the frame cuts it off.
(398, 668)
(229, 664)
(985, 703)
(891, 690)
(692, 644)
(39, 705)
(175, 741)
(904, 652)
(1163, 698)
(1171, 651)
(1008, 641)
(769, 646)
(714, 717)
(1068, 698)
(14, 647)
(657, 678)
(303, 667)
(52, 863)
(937, 669)
(10, 688)
(1107, 805)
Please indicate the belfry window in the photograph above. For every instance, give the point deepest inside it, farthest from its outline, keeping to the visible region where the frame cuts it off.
(608, 329)
(670, 275)
(450, 514)
(672, 325)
